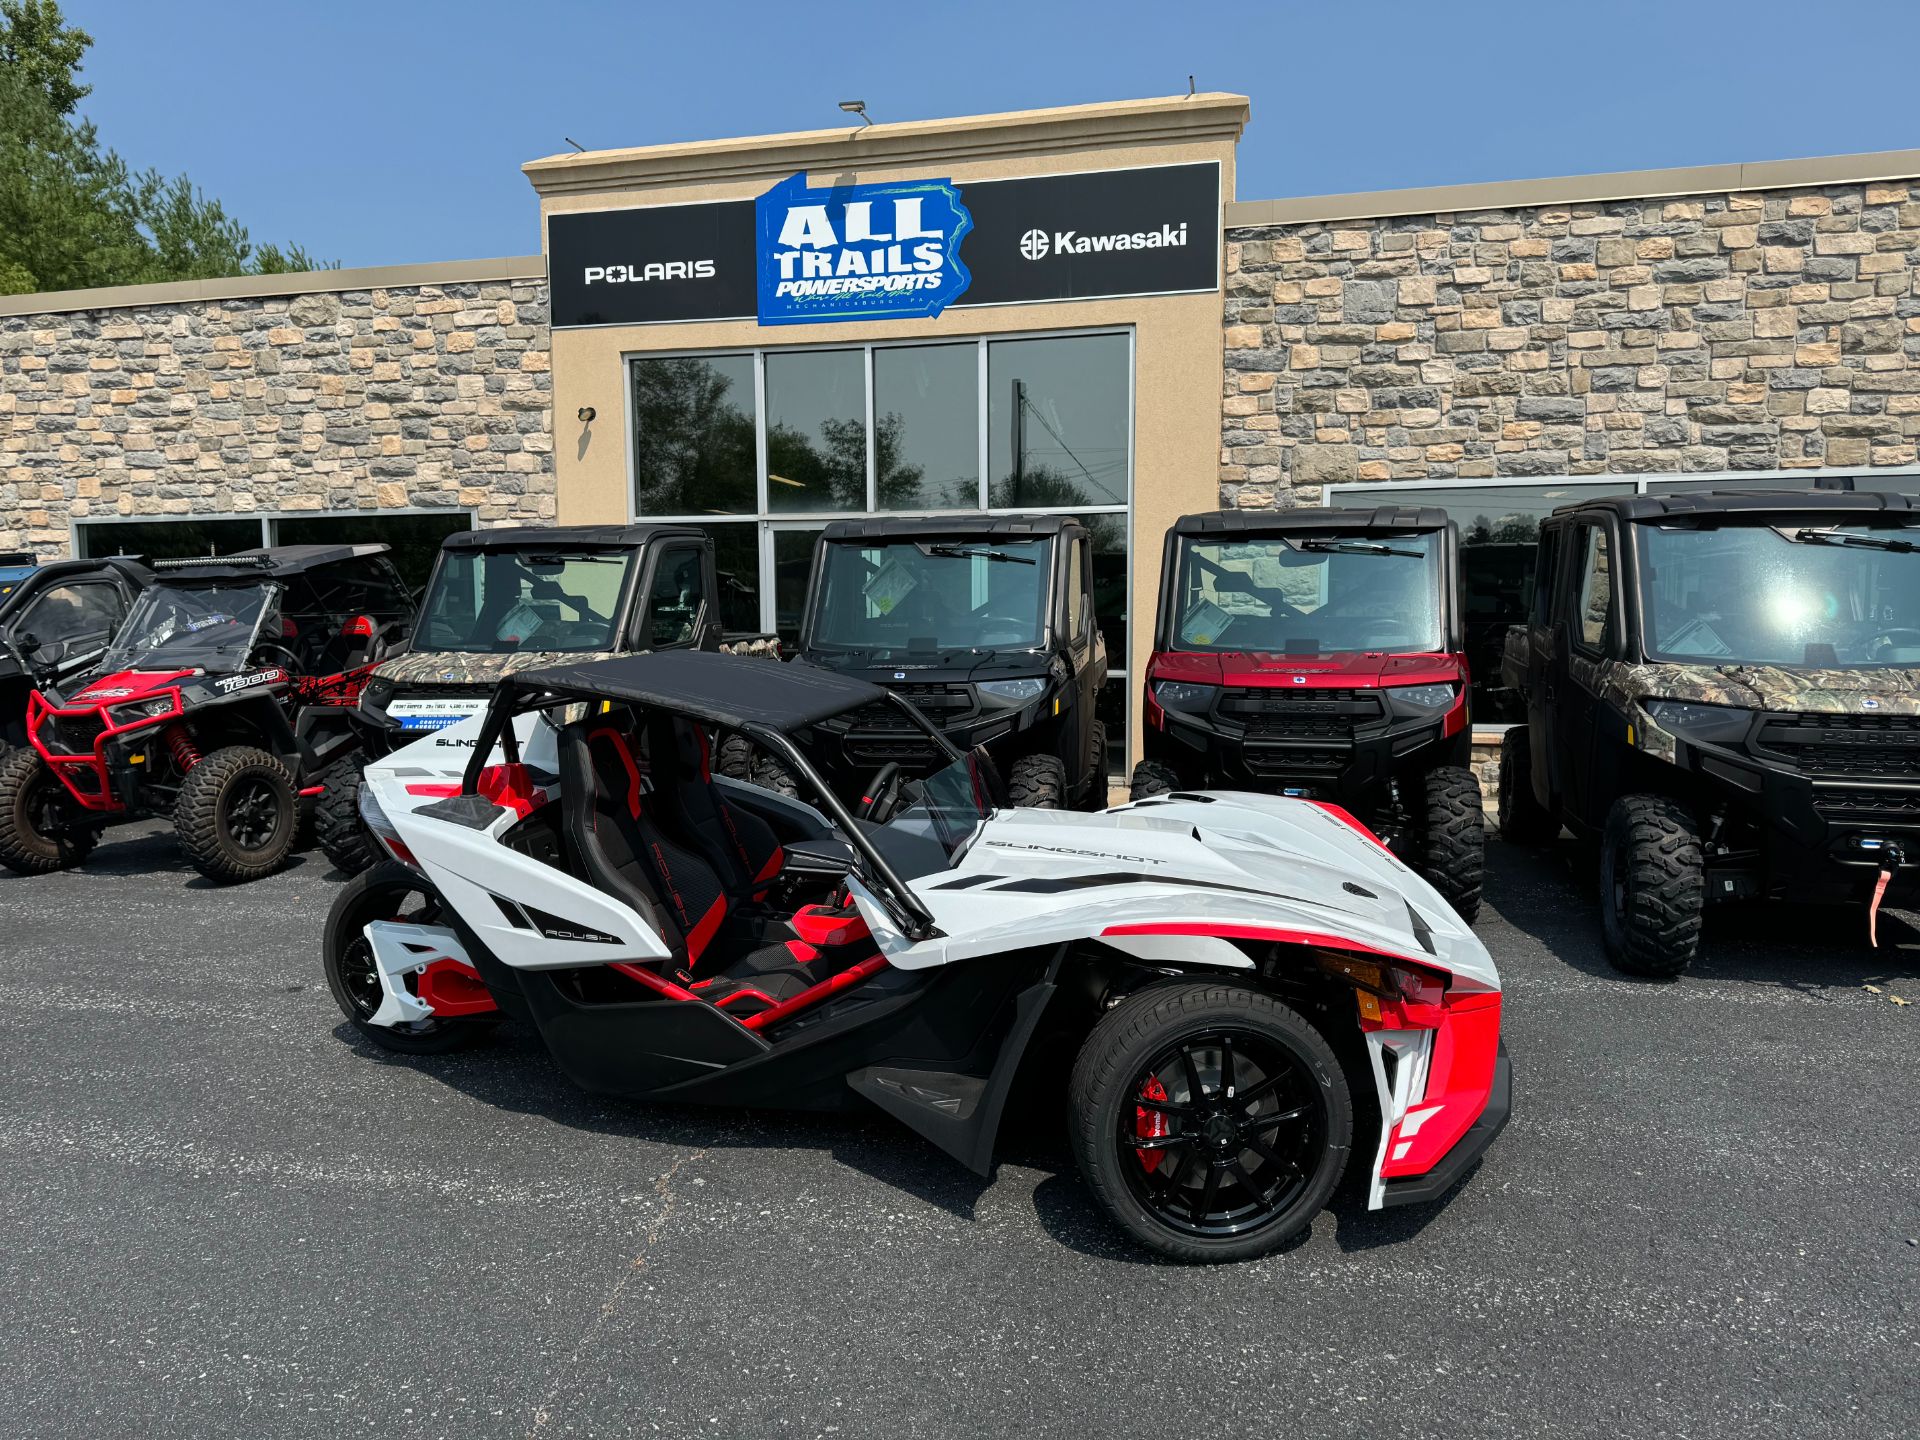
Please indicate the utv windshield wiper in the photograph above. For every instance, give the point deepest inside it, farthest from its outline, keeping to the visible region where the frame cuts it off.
(967, 552)
(1864, 542)
(1355, 547)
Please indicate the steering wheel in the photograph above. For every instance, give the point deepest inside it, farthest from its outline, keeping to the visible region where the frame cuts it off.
(1893, 640)
(882, 793)
(262, 655)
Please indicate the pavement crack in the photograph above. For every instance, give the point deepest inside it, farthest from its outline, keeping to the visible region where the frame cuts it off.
(663, 1187)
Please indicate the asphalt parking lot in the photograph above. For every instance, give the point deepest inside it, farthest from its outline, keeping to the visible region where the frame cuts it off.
(223, 1215)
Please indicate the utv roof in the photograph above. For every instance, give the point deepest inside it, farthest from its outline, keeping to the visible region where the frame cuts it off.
(551, 537)
(1298, 518)
(724, 689)
(1008, 527)
(274, 560)
(1702, 505)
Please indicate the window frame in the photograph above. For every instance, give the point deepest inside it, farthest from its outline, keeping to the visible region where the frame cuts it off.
(1592, 536)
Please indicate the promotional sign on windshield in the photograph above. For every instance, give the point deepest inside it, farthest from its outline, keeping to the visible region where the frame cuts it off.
(859, 252)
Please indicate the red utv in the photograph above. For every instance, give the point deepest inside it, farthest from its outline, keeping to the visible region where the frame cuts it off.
(1319, 653)
(225, 691)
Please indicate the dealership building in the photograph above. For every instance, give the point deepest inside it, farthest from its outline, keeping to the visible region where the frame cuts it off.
(1050, 311)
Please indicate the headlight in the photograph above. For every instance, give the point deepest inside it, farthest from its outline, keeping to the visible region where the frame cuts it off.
(1183, 694)
(1018, 691)
(138, 710)
(1423, 697)
(1711, 724)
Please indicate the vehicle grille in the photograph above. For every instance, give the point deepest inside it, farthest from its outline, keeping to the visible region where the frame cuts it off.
(881, 732)
(942, 704)
(1274, 762)
(1301, 714)
(1867, 747)
(71, 734)
(1837, 803)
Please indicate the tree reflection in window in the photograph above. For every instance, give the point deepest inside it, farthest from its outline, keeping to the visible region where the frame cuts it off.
(693, 442)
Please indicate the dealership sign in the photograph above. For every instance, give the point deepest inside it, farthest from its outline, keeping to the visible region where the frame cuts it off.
(889, 250)
(859, 252)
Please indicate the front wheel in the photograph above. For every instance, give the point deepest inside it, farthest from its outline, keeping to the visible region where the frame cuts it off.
(343, 835)
(1151, 778)
(1453, 846)
(42, 827)
(1653, 886)
(1212, 1122)
(1038, 782)
(236, 814)
(389, 891)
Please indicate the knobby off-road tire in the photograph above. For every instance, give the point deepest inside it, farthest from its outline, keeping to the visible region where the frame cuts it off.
(389, 891)
(1151, 778)
(1095, 799)
(1038, 782)
(1117, 1069)
(770, 774)
(1653, 886)
(1452, 854)
(32, 797)
(337, 827)
(237, 814)
(1523, 821)
(734, 758)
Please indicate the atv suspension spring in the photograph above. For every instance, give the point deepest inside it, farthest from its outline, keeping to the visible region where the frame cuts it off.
(186, 754)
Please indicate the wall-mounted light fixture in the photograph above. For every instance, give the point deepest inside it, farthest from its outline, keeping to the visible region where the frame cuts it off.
(586, 414)
(856, 107)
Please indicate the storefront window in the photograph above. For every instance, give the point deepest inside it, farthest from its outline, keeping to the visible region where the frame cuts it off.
(926, 427)
(693, 436)
(168, 539)
(1058, 421)
(816, 431)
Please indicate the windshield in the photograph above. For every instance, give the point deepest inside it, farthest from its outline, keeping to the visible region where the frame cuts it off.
(499, 601)
(1314, 594)
(932, 595)
(1816, 595)
(196, 627)
(948, 806)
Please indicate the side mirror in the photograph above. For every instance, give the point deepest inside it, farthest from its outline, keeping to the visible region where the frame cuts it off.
(29, 643)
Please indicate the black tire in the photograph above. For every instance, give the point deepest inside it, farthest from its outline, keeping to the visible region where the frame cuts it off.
(237, 814)
(342, 835)
(1451, 844)
(771, 774)
(33, 803)
(1523, 820)
(734, 759)
(1038, 782)
(1297, 1107)
(1653, 886)
(1095, 799)
(389, 891)
(1151, 778)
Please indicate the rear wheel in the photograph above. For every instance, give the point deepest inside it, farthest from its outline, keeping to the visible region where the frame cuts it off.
(1653, 886)
(236, 814)
(1452, 839)
(389, 891)
(1212, 1122)
(734, 759)
(337, 825)
(771, 774)
(42, 827)
(1523, 820)
(1151, 778)
(1038, 782)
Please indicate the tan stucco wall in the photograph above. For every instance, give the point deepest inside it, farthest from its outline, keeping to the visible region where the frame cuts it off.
(1178, 365)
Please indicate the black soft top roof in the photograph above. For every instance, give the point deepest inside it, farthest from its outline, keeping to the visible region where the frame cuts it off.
(560, 537)
(273, 561)
(725, 689)
(1861, 506)
(974, 525)
(1240, 524)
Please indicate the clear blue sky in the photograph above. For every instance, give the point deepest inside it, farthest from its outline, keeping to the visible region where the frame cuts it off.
(393, 132)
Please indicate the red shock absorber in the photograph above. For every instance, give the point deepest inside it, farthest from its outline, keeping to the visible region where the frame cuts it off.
(186, 754)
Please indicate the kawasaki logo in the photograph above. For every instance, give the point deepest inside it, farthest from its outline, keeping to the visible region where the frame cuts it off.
(1036, 245)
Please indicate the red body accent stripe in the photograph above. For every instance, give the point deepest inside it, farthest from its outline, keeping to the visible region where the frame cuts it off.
(814, 994)
(313, 790)
(1265, 932)
(1345, 817)
(434, 789)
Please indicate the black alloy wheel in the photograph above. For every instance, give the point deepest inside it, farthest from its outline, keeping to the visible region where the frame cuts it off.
(251, 815)
(389, 891)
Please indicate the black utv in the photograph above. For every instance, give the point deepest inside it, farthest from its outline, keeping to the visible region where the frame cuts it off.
(986, 624)
(517, 598)
(221, 699)
(1723, 692)
(55, 622)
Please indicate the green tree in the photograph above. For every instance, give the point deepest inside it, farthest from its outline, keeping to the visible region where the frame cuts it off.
(73, 214)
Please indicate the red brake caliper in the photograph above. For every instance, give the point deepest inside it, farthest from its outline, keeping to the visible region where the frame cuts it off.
(1151, 1124)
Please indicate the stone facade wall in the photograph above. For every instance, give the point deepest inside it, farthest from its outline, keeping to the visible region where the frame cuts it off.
(1720, 332)
(362, 400)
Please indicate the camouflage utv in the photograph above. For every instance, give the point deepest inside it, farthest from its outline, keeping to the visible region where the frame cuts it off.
(502, 601)
(1723, 690)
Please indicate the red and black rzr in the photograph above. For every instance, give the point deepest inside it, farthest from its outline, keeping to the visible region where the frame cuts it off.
(1320, 653)
(226, 690)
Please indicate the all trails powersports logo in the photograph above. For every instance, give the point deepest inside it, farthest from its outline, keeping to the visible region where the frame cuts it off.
(853, 252)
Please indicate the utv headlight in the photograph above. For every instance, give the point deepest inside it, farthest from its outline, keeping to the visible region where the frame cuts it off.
(1692, 720)
(1422, 697)
(1017, 692)
(140, 710)
(1183, 695)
